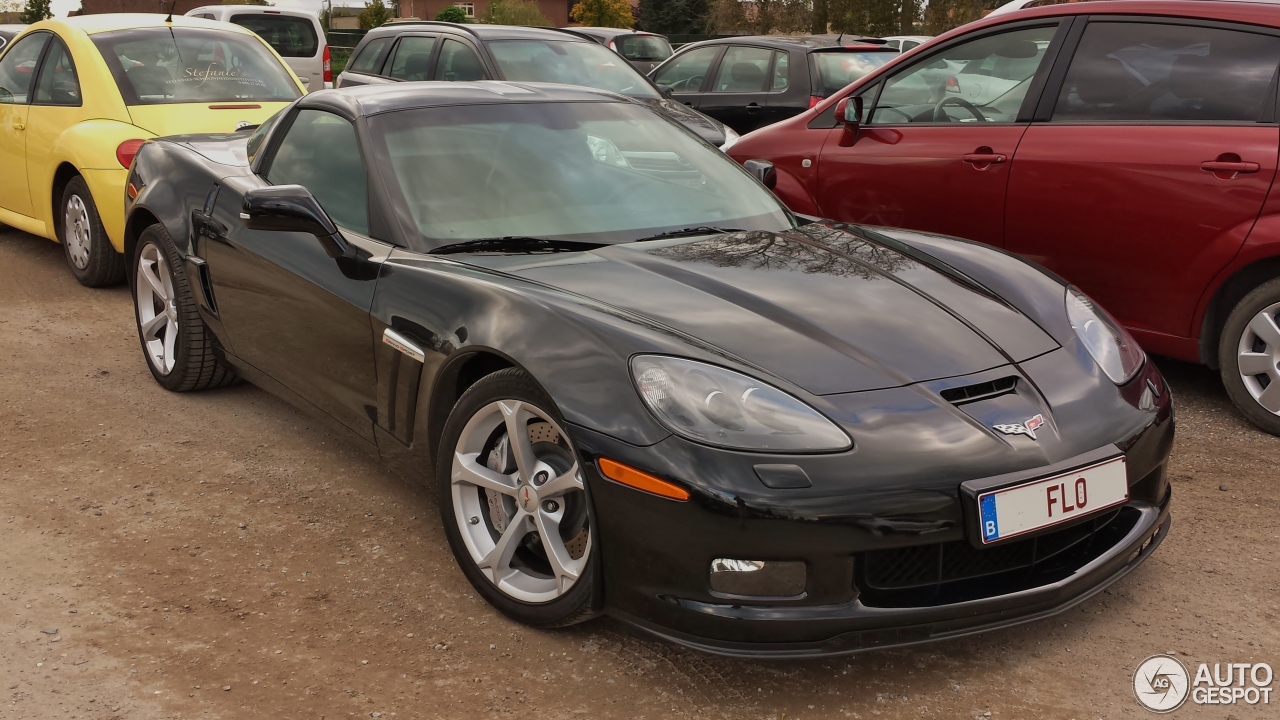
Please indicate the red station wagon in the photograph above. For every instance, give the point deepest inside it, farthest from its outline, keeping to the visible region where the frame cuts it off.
(1130, 147)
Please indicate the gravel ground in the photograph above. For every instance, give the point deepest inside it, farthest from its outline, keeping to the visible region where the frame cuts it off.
(223, 555)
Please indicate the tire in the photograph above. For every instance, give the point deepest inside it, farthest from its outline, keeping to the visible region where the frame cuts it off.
(1248, 354)
(84, 241)
(179, 349)
(486, 513)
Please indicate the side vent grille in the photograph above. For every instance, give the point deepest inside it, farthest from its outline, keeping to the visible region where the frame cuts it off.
(981, 391)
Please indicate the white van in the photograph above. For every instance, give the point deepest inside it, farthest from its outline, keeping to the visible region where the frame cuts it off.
(295, 34)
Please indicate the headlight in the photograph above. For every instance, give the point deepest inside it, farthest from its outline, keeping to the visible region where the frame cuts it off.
(1111, 346)
(721, 407)
(730, 139)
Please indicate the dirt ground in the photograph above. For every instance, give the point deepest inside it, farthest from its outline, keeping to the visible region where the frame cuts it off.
(223, 555)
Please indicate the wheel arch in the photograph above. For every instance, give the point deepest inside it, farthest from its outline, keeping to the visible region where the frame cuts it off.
(139, 220)
(61, 177)
(455, 377)
(1224, 299)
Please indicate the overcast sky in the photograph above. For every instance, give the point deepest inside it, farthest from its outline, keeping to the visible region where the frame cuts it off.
(62, 7)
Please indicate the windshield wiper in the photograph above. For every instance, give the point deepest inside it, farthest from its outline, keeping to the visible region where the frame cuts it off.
(691, 232)
(515, 243)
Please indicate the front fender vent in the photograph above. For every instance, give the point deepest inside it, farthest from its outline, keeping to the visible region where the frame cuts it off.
(980, 391)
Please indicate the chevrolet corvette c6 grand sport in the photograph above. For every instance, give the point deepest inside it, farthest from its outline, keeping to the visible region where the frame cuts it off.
(640, 385)
(79, 95)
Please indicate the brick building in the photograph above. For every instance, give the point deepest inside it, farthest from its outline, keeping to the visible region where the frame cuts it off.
(557, 11)
(98, 7)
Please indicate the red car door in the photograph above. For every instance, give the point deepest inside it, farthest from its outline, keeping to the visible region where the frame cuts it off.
(937, 149)
(1158, 151)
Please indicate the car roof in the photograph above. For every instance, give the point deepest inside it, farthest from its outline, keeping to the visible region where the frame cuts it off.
(252, 10)
(1258, 12)
(109, 22)
(804, 42)
(612, 32)
(375, 99)
(483, 32)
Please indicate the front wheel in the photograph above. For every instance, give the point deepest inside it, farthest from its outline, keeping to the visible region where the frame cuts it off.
(514, 505)
(1249, 356)
(84, 241)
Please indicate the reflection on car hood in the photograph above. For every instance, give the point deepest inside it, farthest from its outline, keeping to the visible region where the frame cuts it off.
(828, 310)
(710, 130)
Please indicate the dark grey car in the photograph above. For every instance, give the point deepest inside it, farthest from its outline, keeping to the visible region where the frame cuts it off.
(644, 50)
(429, 50)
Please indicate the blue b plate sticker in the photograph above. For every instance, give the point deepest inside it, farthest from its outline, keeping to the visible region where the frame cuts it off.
(990, 528)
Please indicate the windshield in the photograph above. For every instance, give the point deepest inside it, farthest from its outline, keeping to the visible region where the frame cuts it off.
(643, 48)
(838, 69)
(185, 65)
(569, 63)
(602, 172)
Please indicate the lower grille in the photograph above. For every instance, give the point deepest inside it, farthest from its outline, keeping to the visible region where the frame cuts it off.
(944, 573)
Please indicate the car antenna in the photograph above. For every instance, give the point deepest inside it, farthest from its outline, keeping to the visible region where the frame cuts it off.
(169, 19)
(838, 39)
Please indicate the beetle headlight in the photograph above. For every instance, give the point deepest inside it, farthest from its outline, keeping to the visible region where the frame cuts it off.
(713, 405)
(1111, 346)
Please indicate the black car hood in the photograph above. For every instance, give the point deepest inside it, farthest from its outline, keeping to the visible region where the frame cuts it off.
(710, 130)
(830, 311)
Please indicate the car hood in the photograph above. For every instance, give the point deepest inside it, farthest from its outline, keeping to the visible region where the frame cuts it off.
(708, 129)
(828, 310)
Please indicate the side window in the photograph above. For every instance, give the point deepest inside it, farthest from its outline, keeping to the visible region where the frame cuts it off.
(259, 136)
(684, 73)
(781, 70)
(412, 60)
(743, 70)
(458, 63)
(320, 153)
(908, 44)
(58, 82)
(1127, 72)
(983, 80)
(206, 16)
(370, 58)
(18, 69)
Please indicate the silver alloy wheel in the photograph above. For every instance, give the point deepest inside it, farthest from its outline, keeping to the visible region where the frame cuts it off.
(1259, 358)
(77, 231)
(157, 309)
(513, 519)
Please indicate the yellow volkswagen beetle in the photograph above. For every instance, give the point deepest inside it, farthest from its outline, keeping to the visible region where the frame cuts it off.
(79, 96)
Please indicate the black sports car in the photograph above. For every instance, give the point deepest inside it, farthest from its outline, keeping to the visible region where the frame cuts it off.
(642, 386)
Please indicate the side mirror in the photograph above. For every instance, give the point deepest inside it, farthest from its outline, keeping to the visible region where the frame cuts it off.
(763, 171)
(292, 208)
(666, 91)
(849, 113)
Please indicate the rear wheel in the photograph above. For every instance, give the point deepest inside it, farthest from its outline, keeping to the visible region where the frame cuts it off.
(177, 345)
(84, 241)
(1249, 356)
(514, 505)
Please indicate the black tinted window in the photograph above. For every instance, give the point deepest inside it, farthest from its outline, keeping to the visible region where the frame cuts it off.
(58, 82)
(458, 63)
(643, 48)
(290, 36)
(370, 58)
(320, 153)
(1151, 72)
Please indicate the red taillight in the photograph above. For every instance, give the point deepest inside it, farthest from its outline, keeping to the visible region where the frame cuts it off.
(127, 151)
(814, 100)
(953, 85)
(328, 66)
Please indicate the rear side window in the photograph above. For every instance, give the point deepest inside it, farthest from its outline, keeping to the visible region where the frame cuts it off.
(643, 48)
(834, 70)
(458, 63)
(58, 82)
(1148, 72)
(743, 70)
(18, 69)
(684, 73)
(320, 153)
(412, 60)
(291, 36)
(154, 66)
(781, 71)
(370, 58)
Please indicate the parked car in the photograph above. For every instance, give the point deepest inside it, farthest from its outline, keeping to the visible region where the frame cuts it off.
(1131, 148)
(77, 98)
(753, 81)
(903, 43)
(295, 34)
(7, 32)
(647, 389)
(644, 50)
(430, 50)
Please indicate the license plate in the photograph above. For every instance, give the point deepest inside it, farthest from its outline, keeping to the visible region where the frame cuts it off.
(1041, 503)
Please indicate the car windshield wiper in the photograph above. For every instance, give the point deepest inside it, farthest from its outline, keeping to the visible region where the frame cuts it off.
(515, 243)
(691, 232)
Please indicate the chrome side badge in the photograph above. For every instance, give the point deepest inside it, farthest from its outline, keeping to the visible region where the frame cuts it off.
(401, 343)
(1027, 428)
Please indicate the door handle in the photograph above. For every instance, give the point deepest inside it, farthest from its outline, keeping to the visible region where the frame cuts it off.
(19, 125)
(983, 156)
(752, 107)
(1225, 167)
